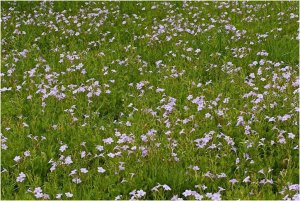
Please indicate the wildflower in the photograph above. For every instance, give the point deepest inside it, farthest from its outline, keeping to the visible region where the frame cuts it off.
(82, 154)
(233, 181)
(198, 196)
(187, 193)
(207, 115)
(108, 140)
(197, 50)
(247, 179)
(38, 192)
(111, 155)
(166, 187)
(140, 193)
(58, 196)
(101, 170)
(76, 180)
(99, 148)
(73, 172)
(294, 187)
(21, 177)
(63, 148)
(216, 196)
(27, 153)
(68, 160)
(17, 158)
(69, 195)
(84, 170)
(176, 198)
(296, 196)
(291, 135)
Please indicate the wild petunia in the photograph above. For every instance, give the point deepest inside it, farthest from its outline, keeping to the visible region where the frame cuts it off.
(21, 177)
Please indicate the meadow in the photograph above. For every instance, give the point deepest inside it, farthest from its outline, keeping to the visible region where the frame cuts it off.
(150, 100)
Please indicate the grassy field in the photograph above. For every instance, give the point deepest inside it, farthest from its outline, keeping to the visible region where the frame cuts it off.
(150, 100)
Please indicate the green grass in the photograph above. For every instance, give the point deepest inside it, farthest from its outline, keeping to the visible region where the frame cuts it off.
(129, 59)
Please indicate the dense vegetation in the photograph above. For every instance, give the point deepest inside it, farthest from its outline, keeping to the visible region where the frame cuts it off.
(150, 100)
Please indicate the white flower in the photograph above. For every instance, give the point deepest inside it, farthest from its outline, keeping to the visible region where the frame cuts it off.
(76, 180)
(294, 187)
(73, 172)
(140, 193)
(46, 196)
(27, 153)
(233, 181)
(17, 158)
(63, 148)
(296, 197)
(108, 140)
(216, 196)
(111, 155)
(197, 50)
(68, 160)
(166, 187)
(58, 196)
(247, 179)
(39, 195)
(291, 135)
(101, 170)
(198, 196)
(69, 195)
(84, 170)
(21, 177)
(82, 154)
(38, 192)
(176, 198)
(187, 193)
(99, 148)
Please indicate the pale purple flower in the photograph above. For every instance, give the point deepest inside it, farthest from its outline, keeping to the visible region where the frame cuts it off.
(69, 195)
(99, 148)
(27, 153)
(140, 193)
(216, 196)
(187, 193)
(58, 196)
(84, 170)
(73, 172)
(17, 158)
(108, 140)
(101, 170)
(63, 148)
(21, 177)
(294, 187)
(247, 179)
(38, 192)
(233, 181)
(296, 197)
(166, 187)
(68, 160)
(76, 180)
